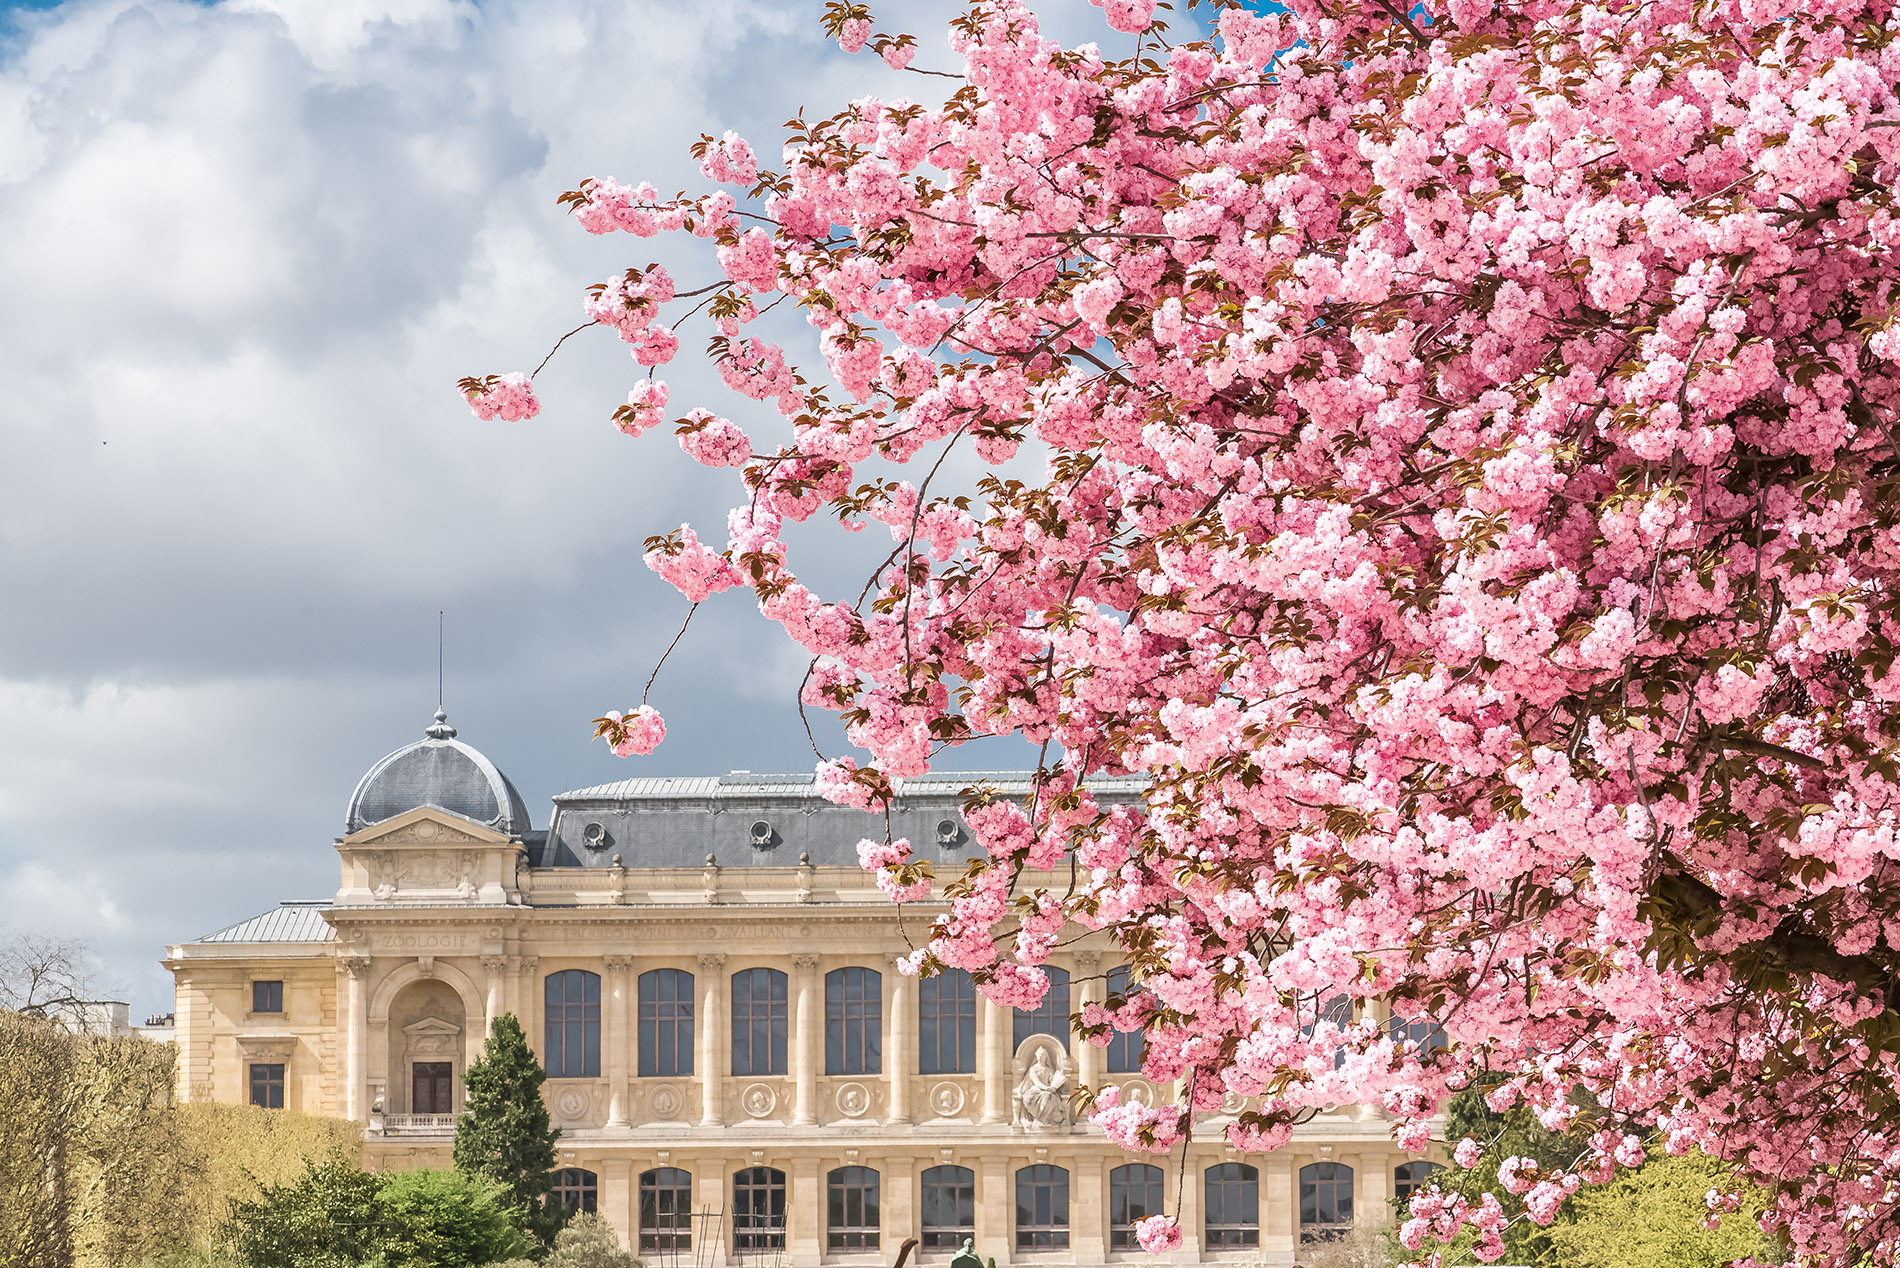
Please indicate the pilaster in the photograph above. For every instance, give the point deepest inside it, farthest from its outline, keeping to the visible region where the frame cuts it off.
(1090, 1061)
(616, 1197)
(900, 1045)
(992, 1062)
(619, 1004)
(807, 1031)
(356, 1065)
(1279, 1207)
(805, 1212)
(711, 1022)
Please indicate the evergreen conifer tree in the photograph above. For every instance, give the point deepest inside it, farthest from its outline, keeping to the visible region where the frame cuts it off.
(503, 1133)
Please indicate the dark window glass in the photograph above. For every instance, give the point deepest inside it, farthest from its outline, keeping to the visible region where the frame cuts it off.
(1425, 1035)
(1409, 1177)
(854, 1021)
(267, 997)
(432, 1087)
(758, 1208)
(946, 1024)
(666, 1023)
(1042, 1205)
(1134, 1193)
(851, 1215)
(572, 1050)
(758, 1022)
(666, 1209)
(1051, 1017)
(267, 1085)
(1325, 1200)
(1338, 1011)
(575, 1189)
(949, 1207)
(1125, 1047)
(1232, 1210)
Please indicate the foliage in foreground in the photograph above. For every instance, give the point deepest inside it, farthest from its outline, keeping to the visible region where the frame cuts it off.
(504, 1133)
(1471, 498)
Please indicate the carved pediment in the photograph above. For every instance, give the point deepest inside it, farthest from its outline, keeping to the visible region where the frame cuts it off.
(432, 1037)
(428, 827)
(271, 1048)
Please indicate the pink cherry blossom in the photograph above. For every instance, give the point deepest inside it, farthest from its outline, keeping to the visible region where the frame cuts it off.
(636, 732)
(509, 397)
(1158, 1234)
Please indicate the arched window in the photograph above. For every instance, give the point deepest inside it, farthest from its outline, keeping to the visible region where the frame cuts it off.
(572, 1050)
(949, 1206)
(1125, 1047)
(575, 1189)
(946, 1024)
(758, 1208)
(1042, 1206)
(1409, 1177)
(758, 1022)
(1232, 1209)
(666, 1023)
(1051, 1017)
(1325, 1200)
(854, 1021)
(666, 1209)
(1425, 1035)
(851, 1214)
(1134, 1193)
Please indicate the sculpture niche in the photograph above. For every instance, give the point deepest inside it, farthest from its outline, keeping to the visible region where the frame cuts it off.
(1044, 1079)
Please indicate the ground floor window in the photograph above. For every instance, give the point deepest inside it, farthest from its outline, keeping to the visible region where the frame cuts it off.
(1325, 1200)
(851, 1214)
(1232, 1208)
(577, 1190)
(1134, 1193)
(267, 1084)
(1042, 1208)
(758, 1209)
(666, 1209)
(949, 1207)
(1409, 1177)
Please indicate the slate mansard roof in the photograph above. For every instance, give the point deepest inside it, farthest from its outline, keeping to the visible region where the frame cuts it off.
(750, 820)
(438, 770)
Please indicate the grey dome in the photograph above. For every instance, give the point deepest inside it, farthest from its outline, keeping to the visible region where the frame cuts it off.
(443, 772)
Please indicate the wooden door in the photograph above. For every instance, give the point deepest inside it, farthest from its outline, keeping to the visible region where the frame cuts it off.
(434, 1088)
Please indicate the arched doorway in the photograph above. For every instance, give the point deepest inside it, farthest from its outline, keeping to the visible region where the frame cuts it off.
(428, 1030)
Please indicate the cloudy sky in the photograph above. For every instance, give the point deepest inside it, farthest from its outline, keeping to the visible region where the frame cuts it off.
(248, 248)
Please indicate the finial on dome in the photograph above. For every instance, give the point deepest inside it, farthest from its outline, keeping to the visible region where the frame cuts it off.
(441, 730)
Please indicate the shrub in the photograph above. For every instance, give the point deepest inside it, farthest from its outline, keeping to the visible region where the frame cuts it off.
(445, 1219)
(588, 1241)
(333, 1216)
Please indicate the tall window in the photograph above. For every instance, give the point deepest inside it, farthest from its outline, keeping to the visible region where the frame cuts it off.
(1337, 1011)
(666, 1023)
(1232, 1210)
(666, 1209)
(577, 1190)
(572, 1050)
(1425, 1035)
(1051, 1017)
(1325, 1200)
(946, 1024)
(949, 1207)
(851, 1216)
(1409, 1177)
(1042, 1206)
(1125, 1047)
(758, 1022)
(267, 997)
(1134, 1193)
(267, 1084)
(758, 1208)
(854, 1021)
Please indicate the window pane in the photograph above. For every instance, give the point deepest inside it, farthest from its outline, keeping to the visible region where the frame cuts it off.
(1051, 1016)
(267, 1085)
(572, 1003)
(946, 1017)
(1134, 1193)
(1325, 1196)
(949, 1207)
(577, 1190)
(758, 1021)
(1409, 1177)
(666, 1209)
(1042, 1207)
(854, 1021)
(759, 1208)
(267, 997)
(1232, 1205)
(666, 1023)
(1125, 1047)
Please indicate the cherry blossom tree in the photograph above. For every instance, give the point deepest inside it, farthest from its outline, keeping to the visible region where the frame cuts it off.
(1470, 496)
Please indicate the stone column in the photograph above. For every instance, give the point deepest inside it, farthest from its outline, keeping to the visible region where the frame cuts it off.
(356, 1038)
(1192, 1179)
(712, 1181)
(619, 1003)
(900, 1044)
(992, 1061)
(1090, 1061)
(805, 1212)
(711, 1021)
(616, 1197)
(1279, 1206)
(995, 1199)
(1088, 1223)
(898, 1179)
(807, 1029)
(533, 1001)
(492, 966)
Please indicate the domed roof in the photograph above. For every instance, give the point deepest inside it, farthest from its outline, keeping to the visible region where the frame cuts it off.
(443, 772)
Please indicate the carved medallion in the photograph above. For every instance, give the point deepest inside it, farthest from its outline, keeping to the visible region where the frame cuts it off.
(946, 1100)
(853, 1099)
(667, 1102)
(758, 1100)
(572, 1104)
(1138, 1092)
(1232, 1103)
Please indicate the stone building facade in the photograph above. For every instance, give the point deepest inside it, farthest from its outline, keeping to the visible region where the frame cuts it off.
(739, 1072)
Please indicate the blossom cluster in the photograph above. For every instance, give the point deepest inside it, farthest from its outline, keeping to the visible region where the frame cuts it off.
(1468, 469)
